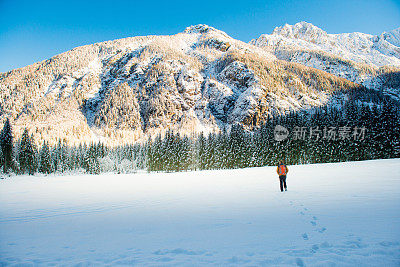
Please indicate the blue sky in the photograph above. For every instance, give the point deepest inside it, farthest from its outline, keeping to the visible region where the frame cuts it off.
(32, 31)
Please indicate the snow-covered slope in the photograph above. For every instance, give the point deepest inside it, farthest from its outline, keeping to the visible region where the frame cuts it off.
(342, 214)
(373, 61)
(359, 47)
(392, 37)
(124, 90)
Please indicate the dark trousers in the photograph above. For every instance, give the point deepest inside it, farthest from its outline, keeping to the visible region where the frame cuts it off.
(282, 181)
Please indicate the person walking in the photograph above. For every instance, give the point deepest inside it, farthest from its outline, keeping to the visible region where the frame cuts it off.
(282, 170)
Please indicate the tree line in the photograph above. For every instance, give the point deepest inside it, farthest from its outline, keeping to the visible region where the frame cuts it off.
(351, 133)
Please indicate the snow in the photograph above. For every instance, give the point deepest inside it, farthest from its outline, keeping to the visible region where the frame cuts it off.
(171, 72)
(359, 47)
(202, 28)
(346, 55)
(392, 37)
(345, 214)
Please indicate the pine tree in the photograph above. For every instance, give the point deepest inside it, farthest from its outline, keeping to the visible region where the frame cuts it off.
(45, 159)
(1, 159)
(201, 144)
(60, 157)
(35, 152)
(91, 163)
(6, 142)
(26, 155)
(389, 127)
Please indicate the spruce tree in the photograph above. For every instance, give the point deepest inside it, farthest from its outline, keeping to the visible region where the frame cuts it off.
(1, 159)
(45, 159)
(201, 144)
(35, 152)
(6, 142)
(389, 130)
(26, 156)
(92, 164)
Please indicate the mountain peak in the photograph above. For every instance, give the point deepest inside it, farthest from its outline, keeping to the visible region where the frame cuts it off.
(203, 29)
(199, 28)
(133, 88)
(300, 30)
(359, 47)
(392, 37)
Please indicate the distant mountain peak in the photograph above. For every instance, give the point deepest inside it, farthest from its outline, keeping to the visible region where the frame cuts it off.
(359, 47)
(392, 37)
(300, 30)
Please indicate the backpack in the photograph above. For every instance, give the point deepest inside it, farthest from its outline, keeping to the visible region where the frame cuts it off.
(282, 169)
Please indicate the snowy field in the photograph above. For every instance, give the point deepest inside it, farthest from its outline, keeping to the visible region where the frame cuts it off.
(345, 214)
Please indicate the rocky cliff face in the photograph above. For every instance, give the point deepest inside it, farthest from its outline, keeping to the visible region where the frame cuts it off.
(375, 51)
(373, 61)
(198, 80)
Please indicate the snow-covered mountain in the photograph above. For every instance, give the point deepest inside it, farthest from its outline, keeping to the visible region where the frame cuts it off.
(392, 37)
(382, 50)
(198, 80)
(373, 61)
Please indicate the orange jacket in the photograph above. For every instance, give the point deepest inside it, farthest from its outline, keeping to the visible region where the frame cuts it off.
(286, 169)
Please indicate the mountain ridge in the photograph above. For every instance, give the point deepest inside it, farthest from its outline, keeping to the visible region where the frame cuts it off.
(358, 47)
(125, 90)
(369, 60)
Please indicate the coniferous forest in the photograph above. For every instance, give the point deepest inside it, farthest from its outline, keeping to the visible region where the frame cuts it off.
(353, 132)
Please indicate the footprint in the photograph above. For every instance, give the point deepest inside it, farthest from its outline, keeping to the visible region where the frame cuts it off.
(300, 262)
(222, 224)
(323, 229)
(325, 245)
(314, 248)
(235, 259)
(165, 259)
(305, 236)
(355, 244)
(313, 223)
(315, 218)
(302, 213)
(388, 244)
